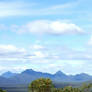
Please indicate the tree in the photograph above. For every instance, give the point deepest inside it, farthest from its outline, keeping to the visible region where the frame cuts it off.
(41, 85)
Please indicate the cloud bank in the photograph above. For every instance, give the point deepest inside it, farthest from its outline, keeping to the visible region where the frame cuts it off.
(56, 57)
(49, 27)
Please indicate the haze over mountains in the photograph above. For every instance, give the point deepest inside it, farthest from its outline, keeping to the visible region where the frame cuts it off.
(29, 75)
(8, 74)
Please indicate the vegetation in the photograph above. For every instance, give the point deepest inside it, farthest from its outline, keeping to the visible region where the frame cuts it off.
(41, 85)
(2, 90)
(45, 85)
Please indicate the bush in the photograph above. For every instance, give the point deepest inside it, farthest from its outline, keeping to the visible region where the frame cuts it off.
(2, 90)
(41, 85)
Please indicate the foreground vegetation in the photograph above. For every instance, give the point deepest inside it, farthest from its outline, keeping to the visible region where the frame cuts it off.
(46, 85)
(2, 90)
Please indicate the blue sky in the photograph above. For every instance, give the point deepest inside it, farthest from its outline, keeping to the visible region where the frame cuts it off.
(46, 35)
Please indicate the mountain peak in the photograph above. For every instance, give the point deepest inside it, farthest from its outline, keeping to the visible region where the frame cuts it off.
(8, 74)
(82, 74)
(59, 73)
(28, 71)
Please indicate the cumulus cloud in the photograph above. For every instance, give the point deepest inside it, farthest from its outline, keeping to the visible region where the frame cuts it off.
(49, 27)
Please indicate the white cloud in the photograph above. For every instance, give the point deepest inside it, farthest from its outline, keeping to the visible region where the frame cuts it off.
(56, 57)
(90, 42)
(37, 47)
(3, 27)
(15, 8)
(14, 69)
(10, 52)
(49, 27)
(39, 54)
(22, 8)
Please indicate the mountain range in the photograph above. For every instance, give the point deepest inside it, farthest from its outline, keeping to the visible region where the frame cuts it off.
(29, 75)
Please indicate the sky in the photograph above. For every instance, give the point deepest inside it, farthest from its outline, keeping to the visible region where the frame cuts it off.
(46, 35)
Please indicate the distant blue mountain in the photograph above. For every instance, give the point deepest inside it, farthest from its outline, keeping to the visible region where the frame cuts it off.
(8, 74)
(82, 77)
(29, 75)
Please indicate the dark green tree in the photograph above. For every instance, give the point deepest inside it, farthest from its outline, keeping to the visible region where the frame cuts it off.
(41, 85)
